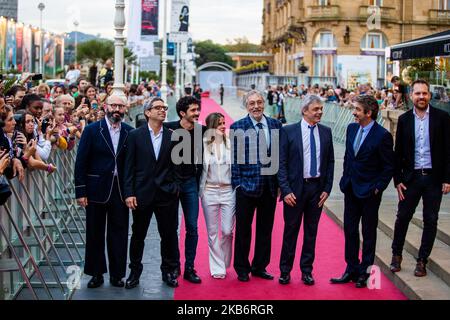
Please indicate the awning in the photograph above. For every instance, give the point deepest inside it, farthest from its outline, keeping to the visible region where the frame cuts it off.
(434, 45)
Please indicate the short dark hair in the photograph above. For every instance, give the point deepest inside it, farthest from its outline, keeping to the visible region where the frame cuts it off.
(29, 99)
(369, 103)
(420, 81)
(14, 89)
(81, 78)
(395, 78)
(184, 103)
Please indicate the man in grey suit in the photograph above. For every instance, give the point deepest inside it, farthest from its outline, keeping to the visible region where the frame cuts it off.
(306, 178)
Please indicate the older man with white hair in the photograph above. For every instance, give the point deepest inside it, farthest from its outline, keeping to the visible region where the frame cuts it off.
(99, 176)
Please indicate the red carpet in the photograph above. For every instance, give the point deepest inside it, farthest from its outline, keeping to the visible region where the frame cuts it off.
(329, 263)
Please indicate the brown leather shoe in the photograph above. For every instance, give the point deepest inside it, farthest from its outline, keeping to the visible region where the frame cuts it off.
(421, 270)
(396, 263)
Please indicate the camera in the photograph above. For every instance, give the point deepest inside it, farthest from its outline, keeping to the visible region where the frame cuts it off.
(18, 119)
(45, 124)
(15, 144)
(37, 77)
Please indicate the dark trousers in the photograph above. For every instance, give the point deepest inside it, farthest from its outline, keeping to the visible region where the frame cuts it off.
(366, 211)
(306, 208)
(167, 219)
(189, 202)
(420, 187)
(221, 99)
(265, 213)
(111, 217)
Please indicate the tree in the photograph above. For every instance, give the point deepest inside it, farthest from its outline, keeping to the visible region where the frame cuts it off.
(101, 50)
(210, 52)
(242, 45)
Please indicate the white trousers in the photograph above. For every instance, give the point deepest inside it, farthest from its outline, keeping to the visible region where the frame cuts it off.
(219, 207)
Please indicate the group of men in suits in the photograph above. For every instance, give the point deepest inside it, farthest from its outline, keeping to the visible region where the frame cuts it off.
(118, 169)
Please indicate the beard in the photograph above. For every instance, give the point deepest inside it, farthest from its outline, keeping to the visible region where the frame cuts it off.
(115, 117)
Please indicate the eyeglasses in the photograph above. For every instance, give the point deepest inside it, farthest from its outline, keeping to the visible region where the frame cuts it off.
(254, 103)
(161, 108)
(117, 106)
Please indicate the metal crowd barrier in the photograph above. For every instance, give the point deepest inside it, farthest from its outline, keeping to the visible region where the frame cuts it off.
(43, 231)
(42, 234)
(334, 116)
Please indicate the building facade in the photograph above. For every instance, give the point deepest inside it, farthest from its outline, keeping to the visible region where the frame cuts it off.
(9, 9)
(316, 33)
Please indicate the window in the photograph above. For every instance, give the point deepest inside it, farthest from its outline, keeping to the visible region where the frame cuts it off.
(324, 51)
(375, 43)
(378, 3)
(444, 5)
(325, 40)
(373, 40)
(324, 2)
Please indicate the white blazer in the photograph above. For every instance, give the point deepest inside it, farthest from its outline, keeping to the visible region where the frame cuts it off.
(208, 156)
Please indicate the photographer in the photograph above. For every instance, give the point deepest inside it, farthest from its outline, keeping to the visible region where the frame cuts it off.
(7, 125)
(34, 104)
(65, 133)
(15, 95)
(25, 125)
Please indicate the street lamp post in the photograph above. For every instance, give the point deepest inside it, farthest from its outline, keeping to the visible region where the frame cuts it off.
(76, 24)
(164, 57)
(177, 72)
(119, 43)
(41, 8)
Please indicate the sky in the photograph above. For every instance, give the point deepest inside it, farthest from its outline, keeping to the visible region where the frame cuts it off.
(218, 20)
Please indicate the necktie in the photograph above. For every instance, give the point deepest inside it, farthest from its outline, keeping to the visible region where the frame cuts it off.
(357, 144)
(260, 127)
(313, 167)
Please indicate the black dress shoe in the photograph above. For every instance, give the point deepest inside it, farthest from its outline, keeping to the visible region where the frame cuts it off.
(362, 281)
(170, 279)
(262, 274)
(116, 282)
(346, 278)
(285, 278)
(177, 272)
(243, 277)
(95, 282)
(308, 279)
(132, 281)
(191, 275)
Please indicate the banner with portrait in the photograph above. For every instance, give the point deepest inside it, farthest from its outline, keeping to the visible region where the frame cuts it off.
(27, 42)
(11, 46)
(35, 52)
(149, 20)
(49, 54)
(3, 30)
(179, 30)
(19, 46)
(59, 56)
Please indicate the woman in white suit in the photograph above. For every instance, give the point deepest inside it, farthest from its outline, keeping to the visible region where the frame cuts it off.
(217, 196)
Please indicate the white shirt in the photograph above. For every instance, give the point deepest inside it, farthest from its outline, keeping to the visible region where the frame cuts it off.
(265, 128)
(219, 170)
(73, 75)
(115, 136)
(422, 152)
(306, 132)
(156, 141)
